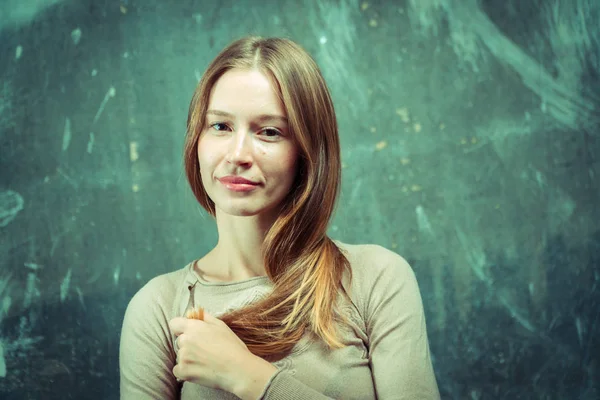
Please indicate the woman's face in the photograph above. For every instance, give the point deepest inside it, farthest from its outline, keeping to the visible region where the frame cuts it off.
(247, 156)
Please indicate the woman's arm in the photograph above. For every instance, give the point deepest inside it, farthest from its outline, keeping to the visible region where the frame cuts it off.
(146, 356)
(398, 344)
(276, 386)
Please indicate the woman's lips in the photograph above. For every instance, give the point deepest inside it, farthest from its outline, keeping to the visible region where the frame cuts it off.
(236, 180)
(238, 184)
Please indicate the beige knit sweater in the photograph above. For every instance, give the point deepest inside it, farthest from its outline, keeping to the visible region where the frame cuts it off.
(386, 357)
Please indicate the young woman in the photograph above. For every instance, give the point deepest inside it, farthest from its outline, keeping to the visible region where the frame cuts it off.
(299, 315)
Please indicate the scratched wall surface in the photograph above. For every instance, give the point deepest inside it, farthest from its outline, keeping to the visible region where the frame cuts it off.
(470, 146)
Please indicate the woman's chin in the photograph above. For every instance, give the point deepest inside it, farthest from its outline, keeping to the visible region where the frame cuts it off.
(237, 211)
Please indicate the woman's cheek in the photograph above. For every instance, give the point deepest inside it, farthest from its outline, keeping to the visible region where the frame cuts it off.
(291, 158)
(205, 157)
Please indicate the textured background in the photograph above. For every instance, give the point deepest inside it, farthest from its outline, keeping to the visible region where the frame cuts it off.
(470, 146)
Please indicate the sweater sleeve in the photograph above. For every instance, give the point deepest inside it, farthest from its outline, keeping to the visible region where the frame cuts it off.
(283, 386)
(146, 355)
(398, 344)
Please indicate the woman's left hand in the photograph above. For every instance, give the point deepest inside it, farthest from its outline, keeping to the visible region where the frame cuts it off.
(210, 354)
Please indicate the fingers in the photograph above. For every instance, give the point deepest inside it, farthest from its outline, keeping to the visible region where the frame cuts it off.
(210, 319)
(178, 325)
(177, 373)
(179, 342)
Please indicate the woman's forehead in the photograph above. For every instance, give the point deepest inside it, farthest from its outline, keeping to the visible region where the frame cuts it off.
(245, 93)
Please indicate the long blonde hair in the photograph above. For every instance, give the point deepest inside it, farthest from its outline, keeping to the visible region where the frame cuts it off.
(303, 263)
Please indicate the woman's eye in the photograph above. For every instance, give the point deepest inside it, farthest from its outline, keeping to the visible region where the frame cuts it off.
(271, 133)
(219, 126)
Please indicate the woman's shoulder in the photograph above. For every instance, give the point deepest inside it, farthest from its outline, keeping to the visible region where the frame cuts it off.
(377, 274)
(161, 290)
(372, 257)
(375, 268)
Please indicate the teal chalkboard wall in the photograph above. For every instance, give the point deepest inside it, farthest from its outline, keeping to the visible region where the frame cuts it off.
(470, 146)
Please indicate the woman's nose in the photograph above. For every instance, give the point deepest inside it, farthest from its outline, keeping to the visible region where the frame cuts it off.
(240, 150)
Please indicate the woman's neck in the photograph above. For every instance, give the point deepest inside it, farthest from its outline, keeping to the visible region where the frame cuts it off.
(238, 253)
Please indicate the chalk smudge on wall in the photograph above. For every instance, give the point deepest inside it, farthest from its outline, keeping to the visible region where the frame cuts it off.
(11, 203)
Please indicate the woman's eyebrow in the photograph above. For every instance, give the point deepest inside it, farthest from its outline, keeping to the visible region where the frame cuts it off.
(270, 117)
(260, 118)
(219, 113)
